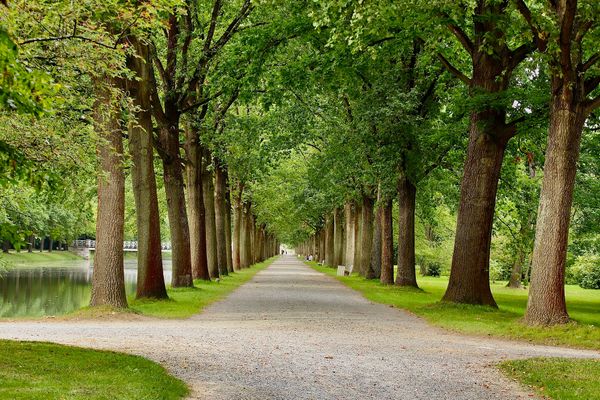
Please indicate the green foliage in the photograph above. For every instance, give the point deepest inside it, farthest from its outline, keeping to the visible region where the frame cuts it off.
(585, 272)
(40, 371)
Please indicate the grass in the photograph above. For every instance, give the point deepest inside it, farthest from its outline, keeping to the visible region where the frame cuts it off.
(185, 302)
(25, 259)
(504, 322)
(45, 371)
(558, 378)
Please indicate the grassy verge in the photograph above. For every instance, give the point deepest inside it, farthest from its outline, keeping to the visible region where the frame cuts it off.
(25, 259)
(504, 322)
(185, 302)
(558, 378)
(48, 371)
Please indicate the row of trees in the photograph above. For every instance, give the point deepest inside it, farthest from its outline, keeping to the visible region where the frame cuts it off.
(521, 56)
(309, 121)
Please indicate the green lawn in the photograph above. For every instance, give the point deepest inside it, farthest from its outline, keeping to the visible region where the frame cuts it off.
(185, 302)
(25, 259)
(47, 371)
(505, 322)
(558, 378)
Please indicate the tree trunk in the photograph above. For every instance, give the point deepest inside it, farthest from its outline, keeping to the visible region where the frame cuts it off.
(547, 305)
(357, 239)
(338, 238)
(329, 241)
(196, 209)
(237, 226)
(209, 213)
(515, 275)
(387, 243)
(366, 237)
(377, 240)
(246, 239)
(349, 231)
(469, 276)
(50, 244)
(228, 239)
(31, 244)
(220, 188)
(406, 233)
(108, 280)
(5, 246)
(174, 188)
(150, 278)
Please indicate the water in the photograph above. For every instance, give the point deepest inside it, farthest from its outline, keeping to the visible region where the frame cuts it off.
(54, 288)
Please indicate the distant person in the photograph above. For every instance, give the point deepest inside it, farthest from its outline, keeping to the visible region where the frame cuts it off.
(310, 257)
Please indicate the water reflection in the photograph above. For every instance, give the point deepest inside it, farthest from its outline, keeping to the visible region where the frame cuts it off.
(53, 290)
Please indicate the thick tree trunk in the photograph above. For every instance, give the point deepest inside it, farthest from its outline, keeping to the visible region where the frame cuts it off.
(209, 213)
(329, 241)
(50, 244)
(338, 237)
(387, 243)
(237, 226)
(174, 188)
(220, 219)
(469, 276)
(349, 231)
(196, 209)
(150, 278)
(406, 233)
(31, 244)
(366, 237)
(547, 305)
(108, 280)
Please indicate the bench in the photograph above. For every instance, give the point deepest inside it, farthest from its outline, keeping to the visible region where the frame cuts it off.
(343, 270)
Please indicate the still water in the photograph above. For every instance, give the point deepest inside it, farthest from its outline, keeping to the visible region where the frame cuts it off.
(54, 288)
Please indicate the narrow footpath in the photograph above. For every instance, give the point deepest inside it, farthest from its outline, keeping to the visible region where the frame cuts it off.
(294, 333)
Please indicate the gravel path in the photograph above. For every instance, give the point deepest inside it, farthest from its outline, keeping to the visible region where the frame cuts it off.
(293, 333)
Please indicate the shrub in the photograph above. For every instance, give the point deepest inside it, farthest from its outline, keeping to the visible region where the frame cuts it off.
(585, 271)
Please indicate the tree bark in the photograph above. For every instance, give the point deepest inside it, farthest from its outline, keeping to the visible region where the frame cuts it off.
(514, 281)
(349, 231)
(338, 238)
(357, 239)
(547, 304)
(366, 237)
(150, 278)
(220, 219)
(406, 233)
(329, 241)
(196, 209)
(377, 240)
(228, 239)
(237, 226)
(209, 213)
(174, 188)
(387, 243)
(108, 280)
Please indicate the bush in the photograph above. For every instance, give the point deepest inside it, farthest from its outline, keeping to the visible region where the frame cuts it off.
(585, 271)
(429, 267)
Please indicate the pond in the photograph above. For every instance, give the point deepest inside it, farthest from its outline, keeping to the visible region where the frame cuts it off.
(54, 288)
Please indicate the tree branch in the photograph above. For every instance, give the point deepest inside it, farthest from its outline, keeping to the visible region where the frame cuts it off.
(453, 70)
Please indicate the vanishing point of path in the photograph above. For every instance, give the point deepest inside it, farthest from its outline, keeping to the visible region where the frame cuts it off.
(293, 333)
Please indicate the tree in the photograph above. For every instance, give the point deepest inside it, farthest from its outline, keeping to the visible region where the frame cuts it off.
(573, 64)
